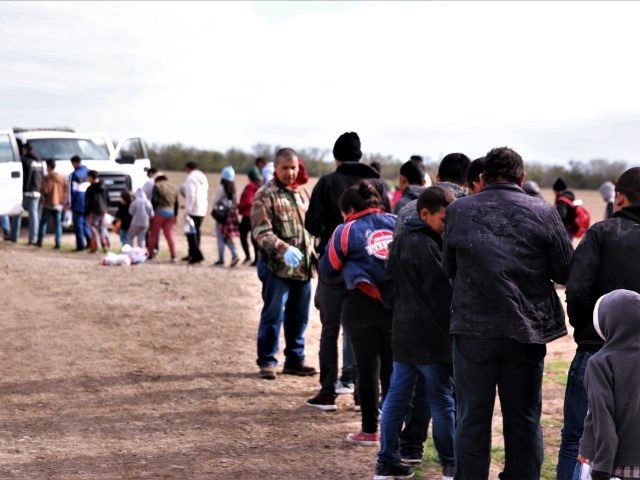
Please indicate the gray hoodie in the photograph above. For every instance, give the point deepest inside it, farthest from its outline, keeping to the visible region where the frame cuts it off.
(140, 210)
(612, 428)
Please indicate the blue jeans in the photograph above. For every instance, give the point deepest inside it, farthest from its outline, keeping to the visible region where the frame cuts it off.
(6, 226)
(575, 411)
(47, 214)
(30, 204)
(416, 422)
(222, 242)
(82, 229)
(285, 302)
(439, 383)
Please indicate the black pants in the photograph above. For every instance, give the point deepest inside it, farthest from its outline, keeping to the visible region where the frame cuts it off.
(329, 299)
(481, 364)
(368, 324)
(195, 254)
(245, 230)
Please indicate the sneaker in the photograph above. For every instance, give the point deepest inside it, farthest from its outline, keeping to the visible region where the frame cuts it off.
(344, 388)
(219, 263)
(268, 372)
(392, 472)
(300, 371)
(186, 259)
(364, 439)
(246, 261)
(193, 261)
(323, 401)
(447, 472)
(254, 264)
(446, 477)
(411, 460)
(356, 402)
(174, 260)
(234, 262)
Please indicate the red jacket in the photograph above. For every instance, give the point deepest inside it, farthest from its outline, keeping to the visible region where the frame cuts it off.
(246, 199)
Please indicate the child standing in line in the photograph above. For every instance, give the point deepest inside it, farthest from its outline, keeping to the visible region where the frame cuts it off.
(420, 295)
(358, 249)
(141, 212)
(123, 217)
(96, 206)
(610, 444)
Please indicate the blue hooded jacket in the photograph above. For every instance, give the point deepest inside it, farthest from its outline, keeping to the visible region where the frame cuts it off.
(78, 188)
(359, 248)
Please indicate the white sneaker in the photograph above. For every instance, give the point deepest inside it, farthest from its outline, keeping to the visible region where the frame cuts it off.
(444, 477)
(343, 388)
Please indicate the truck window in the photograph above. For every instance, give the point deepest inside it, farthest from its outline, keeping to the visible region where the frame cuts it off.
(65, 148)
(6, 149)
(133, 148)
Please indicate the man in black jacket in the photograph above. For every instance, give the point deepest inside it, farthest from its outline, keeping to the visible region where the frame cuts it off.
(96, 206)
(503, 250)
(321, 220)
(420, 296)
(605, 260)
(33, 172)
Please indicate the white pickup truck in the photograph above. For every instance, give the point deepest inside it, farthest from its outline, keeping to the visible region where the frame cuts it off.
(122, 166)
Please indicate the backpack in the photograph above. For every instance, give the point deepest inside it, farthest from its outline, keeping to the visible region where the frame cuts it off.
(221, 210)
(579, 220)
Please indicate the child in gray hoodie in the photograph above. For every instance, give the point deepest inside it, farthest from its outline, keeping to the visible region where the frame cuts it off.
(141, 212)
(611, 440)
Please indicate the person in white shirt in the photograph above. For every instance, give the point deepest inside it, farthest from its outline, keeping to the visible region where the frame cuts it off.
(147, 187)
(196, 194)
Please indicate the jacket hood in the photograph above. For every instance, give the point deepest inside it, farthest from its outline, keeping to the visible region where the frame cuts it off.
(632, 212)
(616, 318)
(198, 177)
(140, 194)
(412, 192)
(358, 169)
(415, 224)
(607, 191)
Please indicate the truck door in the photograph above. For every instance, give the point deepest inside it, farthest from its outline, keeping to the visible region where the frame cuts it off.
(133, 151)
(10, 175)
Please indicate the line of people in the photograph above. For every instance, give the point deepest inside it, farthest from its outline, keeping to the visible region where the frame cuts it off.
(449, 302)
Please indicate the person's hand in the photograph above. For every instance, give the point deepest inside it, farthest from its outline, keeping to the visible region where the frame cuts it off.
(292, 257)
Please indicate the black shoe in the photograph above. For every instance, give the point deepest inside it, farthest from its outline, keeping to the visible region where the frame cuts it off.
(300, 371)
(246, 260)
(323, 401)
(186, 259)
(392, 472)
(193, 261)
(219, 263)
(234, 262)
(411, 459)
(57, 247)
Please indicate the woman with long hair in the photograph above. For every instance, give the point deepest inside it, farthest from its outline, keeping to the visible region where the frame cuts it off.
(226, 227)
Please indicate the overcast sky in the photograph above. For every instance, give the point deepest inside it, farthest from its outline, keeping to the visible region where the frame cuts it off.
(555, 81)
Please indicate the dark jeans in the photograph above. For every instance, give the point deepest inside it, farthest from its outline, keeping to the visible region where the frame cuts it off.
(82, 230)
(47, 214)
(575, 411)
(439, 393)
(245, 231)
(368, 324)
(329, 299)
(195, 254)
(285, 302)
(416, 422)
(481, 364)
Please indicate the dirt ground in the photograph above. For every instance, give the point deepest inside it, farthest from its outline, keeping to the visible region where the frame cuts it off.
(149, 372)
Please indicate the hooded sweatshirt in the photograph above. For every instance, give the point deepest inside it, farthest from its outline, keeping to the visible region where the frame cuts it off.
(412, 192)
(140, 210)
(78, 188)
(196, 193)
(611, 435)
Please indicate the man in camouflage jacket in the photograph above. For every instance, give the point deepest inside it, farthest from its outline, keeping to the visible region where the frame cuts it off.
(285, 267)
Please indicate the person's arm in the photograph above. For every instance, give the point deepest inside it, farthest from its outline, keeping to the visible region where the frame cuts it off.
(245, 200)
(154, 198)
(448, 251)
(583, 277)
(190, 195)
(332, 261)
(561, 250)
(65, 193)
(315, 217)
(262, 226)
(598, 382)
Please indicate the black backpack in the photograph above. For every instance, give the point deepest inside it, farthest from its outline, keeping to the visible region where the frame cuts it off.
(221, 210)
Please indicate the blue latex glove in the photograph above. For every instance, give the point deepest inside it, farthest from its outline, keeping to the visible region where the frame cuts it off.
(292, 257)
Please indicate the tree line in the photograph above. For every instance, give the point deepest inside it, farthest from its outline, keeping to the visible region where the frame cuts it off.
(577, 174)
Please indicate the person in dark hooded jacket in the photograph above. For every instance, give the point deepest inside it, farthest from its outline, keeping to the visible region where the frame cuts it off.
(33, 172)
(605, 260)
(503, 250)
(411, 183)
(420, 297)
(96, 206)
(78, 185)
(611, 441)
(321, 220)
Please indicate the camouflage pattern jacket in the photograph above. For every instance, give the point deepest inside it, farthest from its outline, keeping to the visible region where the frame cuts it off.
(277, 221)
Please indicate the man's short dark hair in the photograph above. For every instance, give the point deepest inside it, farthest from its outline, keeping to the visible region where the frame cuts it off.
(51, 163)
(152, 171)
(93, 174)
(260, 160)
(433, 199)
(413, 172)
(629, 184)
(76, 159)
(476, 168)
(416, 158)
(453, 168)
(503, 164)
(161, 178)
(192, 165)
(287, 153)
